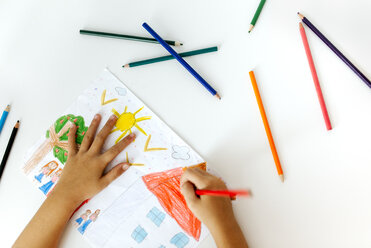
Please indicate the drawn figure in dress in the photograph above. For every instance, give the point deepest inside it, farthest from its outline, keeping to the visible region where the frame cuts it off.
(46, 170)
(92, 218)
(54, 178)
(82, 218)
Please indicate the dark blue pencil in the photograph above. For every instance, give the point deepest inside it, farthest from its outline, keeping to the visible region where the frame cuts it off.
(181, 60)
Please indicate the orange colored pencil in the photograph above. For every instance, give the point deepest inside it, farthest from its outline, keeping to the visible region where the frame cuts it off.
(266, 126)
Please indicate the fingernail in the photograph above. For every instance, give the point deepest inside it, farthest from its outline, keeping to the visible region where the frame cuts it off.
(96, 116)
(132, 135)
(125, 166)
(113, 117)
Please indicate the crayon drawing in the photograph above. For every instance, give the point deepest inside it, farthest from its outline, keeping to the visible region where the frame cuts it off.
(92, 218)
(103, 99)
(166, 187)
(141, 208)
(57, 141)
(180, 152)
(46, 170)
(132, 164)
(53, 180)
(180, 240)
(156, 216)
(126, 121)
(146, 149)
(82, 218)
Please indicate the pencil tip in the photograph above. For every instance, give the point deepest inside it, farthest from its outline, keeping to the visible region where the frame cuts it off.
(126, 66)
(218, 96)
(282, 178)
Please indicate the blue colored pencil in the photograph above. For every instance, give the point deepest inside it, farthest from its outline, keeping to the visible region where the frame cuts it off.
(181, 60)
(3, 117)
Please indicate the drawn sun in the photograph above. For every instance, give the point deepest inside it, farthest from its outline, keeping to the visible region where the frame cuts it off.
(126, 121)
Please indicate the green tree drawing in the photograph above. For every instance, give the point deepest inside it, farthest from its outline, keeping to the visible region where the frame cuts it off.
(60, 153)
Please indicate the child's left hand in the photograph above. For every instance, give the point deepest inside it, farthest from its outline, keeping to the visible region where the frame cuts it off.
(82, 176)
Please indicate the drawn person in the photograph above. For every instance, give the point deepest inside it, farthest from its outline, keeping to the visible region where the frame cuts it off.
(82, 218)
(46, 170)
(54, 178)
(92, 218)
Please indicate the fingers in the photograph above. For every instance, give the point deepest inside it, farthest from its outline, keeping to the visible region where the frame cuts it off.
(189, 193)
(72, 140)
(109, 155)
(196, 176)
(89, 136)
(103, 134)
(114, 173)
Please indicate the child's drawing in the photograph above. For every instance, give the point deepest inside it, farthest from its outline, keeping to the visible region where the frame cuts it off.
(82, 218)
(57, 140)
(139, 234)
(180, 152)
(46, 170)
(103, 99)
(156, 216)
(132, 164)
(166, 187)
(93, 217)
(180, 240)
(141, 208)
(126, 121)
(146, 149)
(54, 178)
(121, 91)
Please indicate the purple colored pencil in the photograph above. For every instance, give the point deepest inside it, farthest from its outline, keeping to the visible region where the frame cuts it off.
(335, 50)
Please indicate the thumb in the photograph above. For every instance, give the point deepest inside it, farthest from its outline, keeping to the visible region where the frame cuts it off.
(188, 191)
(114, 173)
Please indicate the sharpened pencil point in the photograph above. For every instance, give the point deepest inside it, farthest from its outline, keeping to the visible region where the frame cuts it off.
(218, 96)
(251, 28)
(282, 178)
(126, 66)
(300, 15)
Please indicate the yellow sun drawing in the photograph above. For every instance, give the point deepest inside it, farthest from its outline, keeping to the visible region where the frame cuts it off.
(126, 121)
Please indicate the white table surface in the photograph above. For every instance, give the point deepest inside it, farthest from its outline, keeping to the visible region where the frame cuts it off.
(326, 199)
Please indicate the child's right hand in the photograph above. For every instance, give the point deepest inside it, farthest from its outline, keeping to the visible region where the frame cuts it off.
(214, 211)
(210, 210)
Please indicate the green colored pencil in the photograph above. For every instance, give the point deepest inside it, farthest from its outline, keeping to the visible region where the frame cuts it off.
(169, 57)
(127, 37)
(257, 13)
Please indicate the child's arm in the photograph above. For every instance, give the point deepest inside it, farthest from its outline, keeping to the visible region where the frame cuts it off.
(215, 212)
(81, 179)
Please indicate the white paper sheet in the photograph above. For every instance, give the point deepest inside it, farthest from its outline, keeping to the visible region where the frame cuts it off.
(125, 204)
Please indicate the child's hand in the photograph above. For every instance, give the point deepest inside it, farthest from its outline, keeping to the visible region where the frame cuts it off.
(210, 210)
(82, 176)
(214, 211)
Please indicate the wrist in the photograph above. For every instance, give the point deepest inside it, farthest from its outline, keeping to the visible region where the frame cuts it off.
(64, 199)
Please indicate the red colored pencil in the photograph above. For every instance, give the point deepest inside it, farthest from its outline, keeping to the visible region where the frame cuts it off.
(315, 77)
(226, 193)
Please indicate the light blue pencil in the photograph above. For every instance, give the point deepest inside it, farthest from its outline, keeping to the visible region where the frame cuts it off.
(181, 60)
(3, 117)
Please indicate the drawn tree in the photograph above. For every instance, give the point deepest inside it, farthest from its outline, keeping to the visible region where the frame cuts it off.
(57, 140)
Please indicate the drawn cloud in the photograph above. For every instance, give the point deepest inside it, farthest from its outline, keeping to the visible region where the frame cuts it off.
(121, 91)
(180, 152)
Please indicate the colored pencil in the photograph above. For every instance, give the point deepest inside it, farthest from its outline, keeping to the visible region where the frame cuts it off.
(315, 77)
(8, 148)
(257, 14)
(127, 37)
(169, 57)
(181, 60)
(335, 50)
(3, 117)
(225, 193)
(266, 126)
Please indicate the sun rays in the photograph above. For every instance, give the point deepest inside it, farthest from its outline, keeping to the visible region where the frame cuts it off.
(126, 121)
